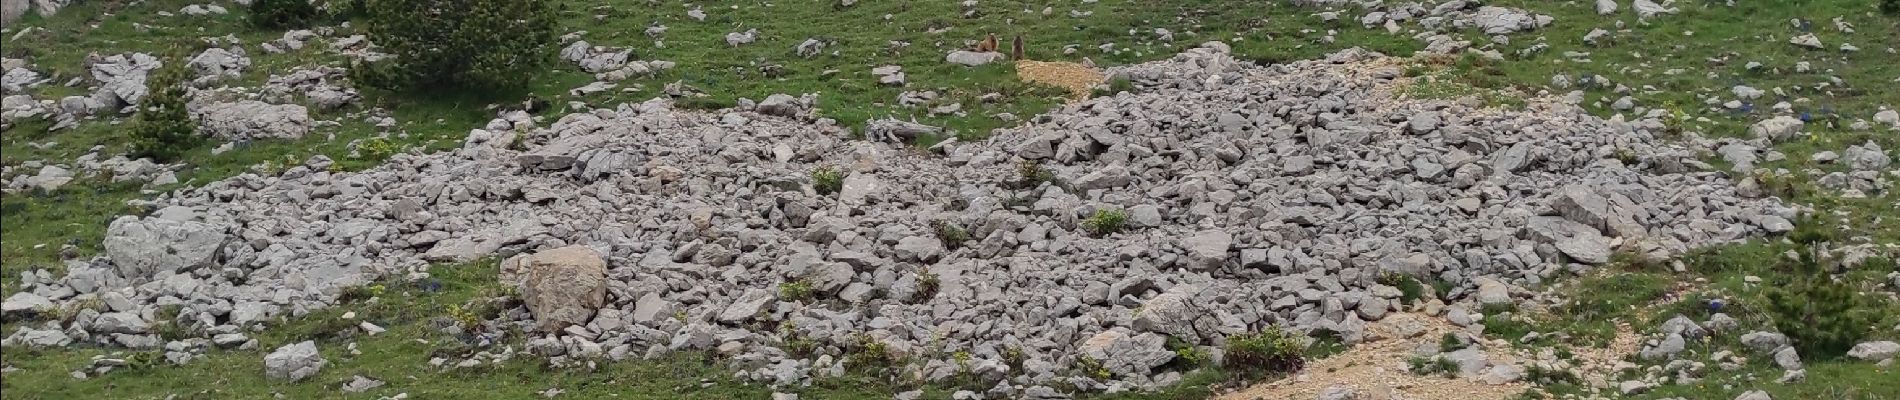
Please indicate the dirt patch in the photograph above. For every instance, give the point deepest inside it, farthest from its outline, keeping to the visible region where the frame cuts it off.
(1377, 368)
(1077, 78)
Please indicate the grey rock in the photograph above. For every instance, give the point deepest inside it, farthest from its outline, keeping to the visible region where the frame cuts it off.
(143, 247)
(1875, 351)
(1630, 388)
(1670, 345)
(1754, 395)
(359, 384)
(293, 362)
(1764, 342)
(972, 58)
(24, 302)
(563, 286)
(1470, 361)
(1339, 392)
(252, 119)
(1787, 358)
(1208, 249)
(1576, 240)
(1776, 129)
(1606, 7)
(919, 248)
(747, 306)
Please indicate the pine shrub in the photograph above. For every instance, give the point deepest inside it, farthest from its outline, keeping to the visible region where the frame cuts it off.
(1823, 317)
(282, 14)
(469, 44)
(162, 129)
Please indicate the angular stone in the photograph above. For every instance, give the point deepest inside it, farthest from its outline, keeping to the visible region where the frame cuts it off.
(563, 286)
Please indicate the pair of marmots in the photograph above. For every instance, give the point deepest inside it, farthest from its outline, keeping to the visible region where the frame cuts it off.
(989, 45)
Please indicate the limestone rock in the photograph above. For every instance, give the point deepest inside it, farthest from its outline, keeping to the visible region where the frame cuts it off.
(563, 286)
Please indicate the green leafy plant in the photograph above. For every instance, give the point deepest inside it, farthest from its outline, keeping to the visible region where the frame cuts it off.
(1421, 365)
(1030, 173)
(475, 44)
(1093, 368)
(797, 290)
(1105, 222)
(868, 353)
(282, 14)
(375, 148)
(1114, 86)
(950, 234)
(465, 318)
(795, 343)
(1823, 318)
(927, 284)
(1450, 343)
(163, 129)
(827, 180)
(1270, 351)
(1410, 289)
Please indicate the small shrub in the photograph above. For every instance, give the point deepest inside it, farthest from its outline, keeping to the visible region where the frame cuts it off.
(1093, 368)
(162, 129)
(1421, 365)
(951, 234)
(1113, 87)
(797, 290)
(1105, 222)
(1410, 289)
(1014, 357)
(1030, 174)
(282, 14)
(1547, 377)
(465, 318)
(375, 148)
(474, 44)
(1890, 7)
(1823, 318)
(1450, 343)
(795, 343)
(826, 180)
(867, 353)
(927, 284)
(1270, 351)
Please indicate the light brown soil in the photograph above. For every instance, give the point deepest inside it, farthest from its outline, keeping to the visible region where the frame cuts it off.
(1377, 370)
(1077, 78)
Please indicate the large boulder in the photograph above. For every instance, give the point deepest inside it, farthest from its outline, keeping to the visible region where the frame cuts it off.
(1612, 214)
(1776, 129)
(1208, 249)
(972, 58)
(217, 63)
(1580, 242)
(122, 78)
(1126, 355)
(143, 247)
(252, 119)
(562, 286)
(1875, 351)
(293, 362)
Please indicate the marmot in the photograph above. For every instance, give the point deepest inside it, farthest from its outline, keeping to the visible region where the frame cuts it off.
(1016, 48)
(987, 45)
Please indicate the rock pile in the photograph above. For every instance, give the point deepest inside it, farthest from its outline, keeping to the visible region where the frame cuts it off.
(1253, 196)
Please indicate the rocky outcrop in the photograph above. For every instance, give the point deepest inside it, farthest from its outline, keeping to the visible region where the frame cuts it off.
(1256, 196)
(294, 362)
(144, 247)
(252, 119)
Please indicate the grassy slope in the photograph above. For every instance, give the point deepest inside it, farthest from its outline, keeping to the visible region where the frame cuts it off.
(36, 225)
